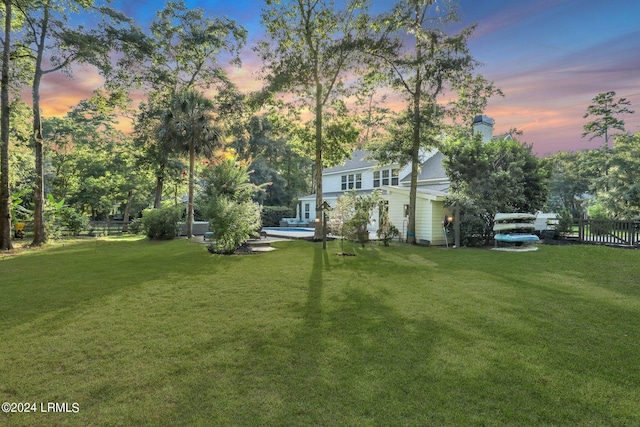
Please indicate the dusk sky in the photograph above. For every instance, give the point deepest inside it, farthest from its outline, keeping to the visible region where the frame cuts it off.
(550, 57)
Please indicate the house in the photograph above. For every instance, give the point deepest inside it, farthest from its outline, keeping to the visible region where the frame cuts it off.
(365, 175)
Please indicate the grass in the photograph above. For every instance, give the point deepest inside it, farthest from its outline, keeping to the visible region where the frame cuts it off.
(163, 333)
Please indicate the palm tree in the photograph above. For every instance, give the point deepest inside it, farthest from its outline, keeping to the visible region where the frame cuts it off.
(186, 125)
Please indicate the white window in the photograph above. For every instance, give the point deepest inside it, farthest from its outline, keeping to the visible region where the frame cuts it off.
(307, 210)
(385, 177)
(376, 179)
(351, 181)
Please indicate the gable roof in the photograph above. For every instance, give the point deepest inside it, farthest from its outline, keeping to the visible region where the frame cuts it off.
(358, 160)
(431, 169)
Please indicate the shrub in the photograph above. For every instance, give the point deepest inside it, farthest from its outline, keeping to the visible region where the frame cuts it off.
(599, 224)
(227, 203)
(135, 226)
(597, 211)
(161, 224)
(386, 229)
(73, 221)
(233, 223)
(565, 222)
(472, 229)
(354, 211)
(271, 215)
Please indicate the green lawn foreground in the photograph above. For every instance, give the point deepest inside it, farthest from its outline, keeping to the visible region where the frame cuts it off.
(163, 333)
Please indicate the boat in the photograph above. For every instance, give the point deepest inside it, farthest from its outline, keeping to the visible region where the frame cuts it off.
(516, 230)
(505, 226)
(516, 238)
(514, 217)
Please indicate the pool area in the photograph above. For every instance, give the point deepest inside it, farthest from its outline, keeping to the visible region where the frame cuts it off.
(302, 233)
(303, 229)
(289, 232)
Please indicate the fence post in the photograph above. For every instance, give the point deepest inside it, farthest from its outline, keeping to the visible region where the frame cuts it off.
(581, 230)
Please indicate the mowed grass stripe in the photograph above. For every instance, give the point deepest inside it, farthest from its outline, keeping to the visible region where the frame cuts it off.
(163, 333)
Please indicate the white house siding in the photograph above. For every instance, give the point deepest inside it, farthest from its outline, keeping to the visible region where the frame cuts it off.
(331, 183)
(430, 213)
(300, 209)
(438, 214)
(396, 211)
(423, 220)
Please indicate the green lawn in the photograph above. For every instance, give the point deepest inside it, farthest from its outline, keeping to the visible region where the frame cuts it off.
(164, 333)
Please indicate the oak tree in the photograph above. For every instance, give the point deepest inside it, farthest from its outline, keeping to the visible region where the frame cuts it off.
(427, 63)
(54, 45)
(312, 53)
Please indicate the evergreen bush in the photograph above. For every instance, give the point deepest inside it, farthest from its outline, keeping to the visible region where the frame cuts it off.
(227, 200)
(233, 223)
(163, 223)
(386, 229)
(73, 221)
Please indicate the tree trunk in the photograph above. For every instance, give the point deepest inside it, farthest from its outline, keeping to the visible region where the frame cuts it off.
(5, 208)
(415, 148)
(318, 223)
(192, 161)
(157, 202)
(39, 236)
(125, 216)
(415, 164)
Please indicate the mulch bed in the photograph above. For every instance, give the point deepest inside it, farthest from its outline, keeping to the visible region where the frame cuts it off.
(245, 249)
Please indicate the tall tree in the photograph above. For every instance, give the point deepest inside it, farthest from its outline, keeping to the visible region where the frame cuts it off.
(498, 176)
(155, 154)
(604, 109)
(5, 209)
(273, 159)
(436, 62)
(186, 47)
(569, 181)
(57, 45)
(91, 160)
(622, 198)
(311, 52)
(184, 51)
(187, 125)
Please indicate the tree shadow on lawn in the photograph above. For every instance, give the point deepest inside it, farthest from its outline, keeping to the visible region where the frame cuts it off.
(341, 354)
(348, 359)
(57, 279)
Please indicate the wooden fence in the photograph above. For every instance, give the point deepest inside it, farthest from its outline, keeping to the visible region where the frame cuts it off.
(108, 228)
(626, 233)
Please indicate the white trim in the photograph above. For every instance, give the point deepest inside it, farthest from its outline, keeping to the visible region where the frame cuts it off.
(422, 193)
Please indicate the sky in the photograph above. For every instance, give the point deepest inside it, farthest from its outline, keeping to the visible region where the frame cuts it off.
(549, 57)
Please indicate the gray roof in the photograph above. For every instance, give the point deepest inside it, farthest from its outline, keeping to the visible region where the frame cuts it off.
(431, 169)
(432, 190)
(439, 189)
(358, 161)
(336, 194)
(483, 119)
